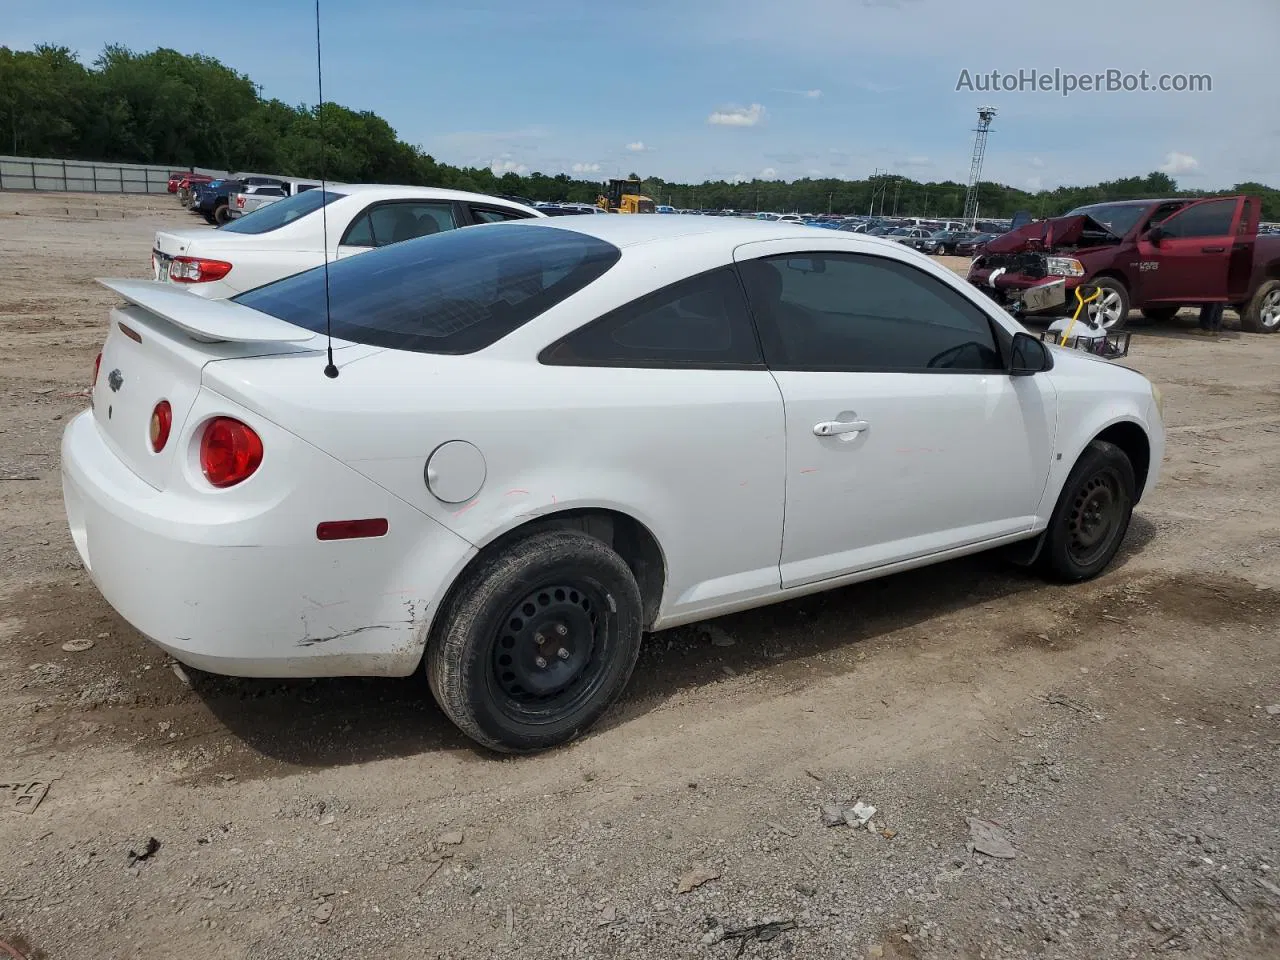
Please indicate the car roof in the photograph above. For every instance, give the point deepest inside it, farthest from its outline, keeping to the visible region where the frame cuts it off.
(373, 190)
(389, 191)
(627, 230)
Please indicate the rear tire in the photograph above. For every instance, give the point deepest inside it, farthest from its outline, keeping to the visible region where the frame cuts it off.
(536, 642)
(221, 214)
(1160, 314)
(1262, 314)
(1092, 515)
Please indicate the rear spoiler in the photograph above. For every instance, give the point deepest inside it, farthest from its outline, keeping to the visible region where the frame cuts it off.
(211, 321)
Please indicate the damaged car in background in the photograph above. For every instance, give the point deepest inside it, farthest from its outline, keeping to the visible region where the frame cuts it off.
(1154, 255)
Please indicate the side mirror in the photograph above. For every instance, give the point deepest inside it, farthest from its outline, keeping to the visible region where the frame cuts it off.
(1155, 234)
(1028, 356)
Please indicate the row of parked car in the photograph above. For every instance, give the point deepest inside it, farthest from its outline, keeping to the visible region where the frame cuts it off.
(222, 199)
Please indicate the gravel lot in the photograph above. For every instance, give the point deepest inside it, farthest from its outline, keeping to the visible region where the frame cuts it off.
(1119, 733)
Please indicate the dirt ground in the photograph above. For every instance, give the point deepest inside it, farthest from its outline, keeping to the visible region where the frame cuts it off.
(1119, 732)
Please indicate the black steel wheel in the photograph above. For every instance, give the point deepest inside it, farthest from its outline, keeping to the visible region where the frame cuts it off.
(549, 654)
(536, 641)
(1092, 514)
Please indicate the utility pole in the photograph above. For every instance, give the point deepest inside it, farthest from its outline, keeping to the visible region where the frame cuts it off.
(897, 185)
(985, 116)
(872, 208)
(829, 196)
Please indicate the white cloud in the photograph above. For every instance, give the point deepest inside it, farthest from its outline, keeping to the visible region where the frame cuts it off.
(1176, 164)
(813, 174)
(637, 146)
(871, 87)
(915, 162)
(1035, 184)
(807, 94)
(768, 173)
(813, 94)
(1036, 162)
(501, 166)
(586, 168)
(737, 116)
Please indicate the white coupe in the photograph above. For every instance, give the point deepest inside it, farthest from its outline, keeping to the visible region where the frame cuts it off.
(546, 438)
(288, 236)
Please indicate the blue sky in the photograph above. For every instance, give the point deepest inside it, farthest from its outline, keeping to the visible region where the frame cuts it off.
(708, 89)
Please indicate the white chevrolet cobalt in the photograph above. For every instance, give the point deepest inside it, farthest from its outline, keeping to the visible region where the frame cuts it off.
(545, 438)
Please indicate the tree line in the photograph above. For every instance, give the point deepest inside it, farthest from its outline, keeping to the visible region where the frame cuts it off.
(168, 108)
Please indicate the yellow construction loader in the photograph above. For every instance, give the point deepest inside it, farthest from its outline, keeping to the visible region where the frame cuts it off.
(624, 196)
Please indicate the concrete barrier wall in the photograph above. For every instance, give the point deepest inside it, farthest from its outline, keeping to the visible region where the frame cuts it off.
(84, 176)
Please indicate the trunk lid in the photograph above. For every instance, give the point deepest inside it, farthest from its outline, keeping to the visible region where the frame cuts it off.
(155, 350)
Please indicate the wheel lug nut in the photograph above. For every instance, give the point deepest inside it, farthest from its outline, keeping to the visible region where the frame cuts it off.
(562, 630)
(541, 662)
(562, 653)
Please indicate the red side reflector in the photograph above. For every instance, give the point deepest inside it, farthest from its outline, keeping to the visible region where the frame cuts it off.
(131, 333)
(351, 529)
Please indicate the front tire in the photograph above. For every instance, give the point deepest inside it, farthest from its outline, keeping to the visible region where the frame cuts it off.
(1262, 315)
(1092, 515)
(1112, 305)
(536, 642)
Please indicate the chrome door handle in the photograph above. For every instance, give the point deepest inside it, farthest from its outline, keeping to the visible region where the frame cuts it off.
(832, 428)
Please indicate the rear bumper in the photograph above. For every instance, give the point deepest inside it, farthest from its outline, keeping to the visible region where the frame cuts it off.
(243, 587)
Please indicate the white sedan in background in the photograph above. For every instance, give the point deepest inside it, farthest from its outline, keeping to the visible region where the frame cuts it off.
(548, 437)
(287, 236)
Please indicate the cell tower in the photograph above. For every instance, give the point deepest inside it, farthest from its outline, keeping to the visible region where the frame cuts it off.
(985, 116)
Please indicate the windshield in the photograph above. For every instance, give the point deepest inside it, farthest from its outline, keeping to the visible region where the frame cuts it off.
(1119, 218)
(452, 292)
(273, 216)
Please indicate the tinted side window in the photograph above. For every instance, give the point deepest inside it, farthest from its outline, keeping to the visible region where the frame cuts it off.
(397, 222)
(494, 215)
(836, 311)
(698, 322)
(1209, 219)
(360, 233)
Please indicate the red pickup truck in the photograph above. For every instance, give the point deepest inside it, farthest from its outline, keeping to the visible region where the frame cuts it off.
(1156, 255)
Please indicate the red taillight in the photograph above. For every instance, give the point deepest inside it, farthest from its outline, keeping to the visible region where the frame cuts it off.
(197, 269)
(351, 529)
(97, 365)
(229, 452)
(161, 423)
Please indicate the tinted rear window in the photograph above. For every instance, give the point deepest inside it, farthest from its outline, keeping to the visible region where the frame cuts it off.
(278, 214)
(453, 292)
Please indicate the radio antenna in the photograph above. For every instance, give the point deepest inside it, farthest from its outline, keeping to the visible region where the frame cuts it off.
(331, 369)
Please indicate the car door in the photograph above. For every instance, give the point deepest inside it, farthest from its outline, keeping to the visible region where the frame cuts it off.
(675, 381)
(394, 221)
(1189, 259)
(905, 437)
